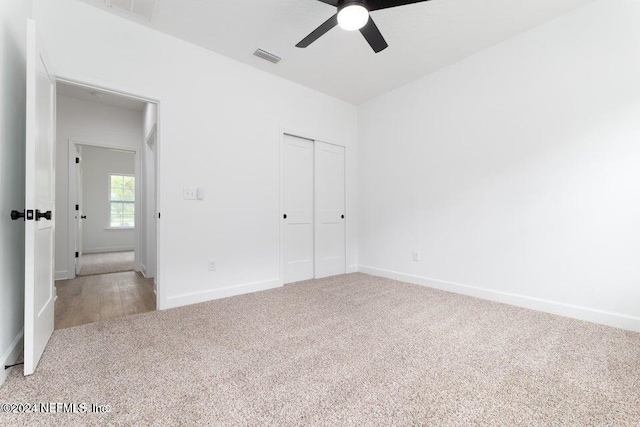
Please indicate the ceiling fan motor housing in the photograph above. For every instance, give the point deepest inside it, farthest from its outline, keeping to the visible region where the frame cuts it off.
(344, 3)
(352, 14)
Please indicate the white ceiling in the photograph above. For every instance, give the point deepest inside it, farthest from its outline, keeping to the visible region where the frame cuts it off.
(101, 98)
(422, 37)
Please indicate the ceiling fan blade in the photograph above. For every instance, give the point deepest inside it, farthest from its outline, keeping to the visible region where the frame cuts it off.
(319, 32)
(386, 4)
(373, 36)
(331, 2)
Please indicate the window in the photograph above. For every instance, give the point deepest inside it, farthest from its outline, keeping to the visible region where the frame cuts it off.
(122, 201)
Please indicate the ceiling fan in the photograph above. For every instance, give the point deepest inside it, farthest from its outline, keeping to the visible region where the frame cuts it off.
(354, 15)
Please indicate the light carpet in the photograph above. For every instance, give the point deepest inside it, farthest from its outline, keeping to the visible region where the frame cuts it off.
(349, 350)
(107, 262)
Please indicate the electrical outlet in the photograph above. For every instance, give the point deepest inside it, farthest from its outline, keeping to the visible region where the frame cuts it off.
(189, 193)
(416, 256)
(212, 265)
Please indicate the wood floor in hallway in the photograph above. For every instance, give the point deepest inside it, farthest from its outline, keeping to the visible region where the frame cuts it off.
(89, 299)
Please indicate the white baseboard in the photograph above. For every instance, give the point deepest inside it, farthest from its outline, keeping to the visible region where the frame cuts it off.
(61, 275)
(213, 294)
(107, 249)
(10, 356)
(352, 268)
(602, 317)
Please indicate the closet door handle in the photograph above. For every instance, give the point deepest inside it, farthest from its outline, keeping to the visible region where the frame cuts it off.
(284, 216)
(342, 216)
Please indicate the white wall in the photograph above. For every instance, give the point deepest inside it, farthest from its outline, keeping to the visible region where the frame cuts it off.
(219, 129)
(13, 33)
(515, 173)
(98, 163)
(86, 121)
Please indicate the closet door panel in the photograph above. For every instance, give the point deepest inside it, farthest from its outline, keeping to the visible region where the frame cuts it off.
(330, 244)
(298, 209)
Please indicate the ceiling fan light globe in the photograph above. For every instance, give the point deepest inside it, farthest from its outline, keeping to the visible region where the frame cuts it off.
(353, 17)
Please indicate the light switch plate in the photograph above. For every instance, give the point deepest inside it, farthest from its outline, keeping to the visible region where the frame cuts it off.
(200, 193)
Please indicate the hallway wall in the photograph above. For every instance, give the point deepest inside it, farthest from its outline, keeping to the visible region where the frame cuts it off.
(97, 235)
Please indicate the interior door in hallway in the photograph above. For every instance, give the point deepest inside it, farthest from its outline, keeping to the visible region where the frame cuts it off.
(298, 209)
(79, 217)
(330, 245)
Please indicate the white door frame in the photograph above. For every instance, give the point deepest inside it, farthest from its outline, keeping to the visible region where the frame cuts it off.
(71, 207)
(153, 134)
(129, 93)
(296, 133)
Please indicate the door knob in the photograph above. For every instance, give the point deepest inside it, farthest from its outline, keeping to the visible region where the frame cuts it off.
(83, 217)
(46, 215)
(284, 216)
(342, 216)
(15, 215)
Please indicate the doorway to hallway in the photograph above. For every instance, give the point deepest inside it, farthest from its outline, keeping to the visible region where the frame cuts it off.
(106, 172)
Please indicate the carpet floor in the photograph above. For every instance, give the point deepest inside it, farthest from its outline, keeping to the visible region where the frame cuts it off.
(348, 350)
(108, 262)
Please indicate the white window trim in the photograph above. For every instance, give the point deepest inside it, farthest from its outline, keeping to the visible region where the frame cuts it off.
(109, 227)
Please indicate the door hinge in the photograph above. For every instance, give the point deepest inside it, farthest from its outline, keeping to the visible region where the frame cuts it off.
(77, 254)
(77, 159)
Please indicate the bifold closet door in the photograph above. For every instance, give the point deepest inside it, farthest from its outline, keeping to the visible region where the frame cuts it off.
(330, 257)
(298, 209)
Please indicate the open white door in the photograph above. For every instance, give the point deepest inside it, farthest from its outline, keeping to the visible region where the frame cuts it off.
(39, 200)
(79, 216)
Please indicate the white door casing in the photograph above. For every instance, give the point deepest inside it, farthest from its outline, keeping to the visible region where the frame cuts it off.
(93, 84)
(151, 176)
(330, 250)
(78, 213)
(39, 195)
(298, 209)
